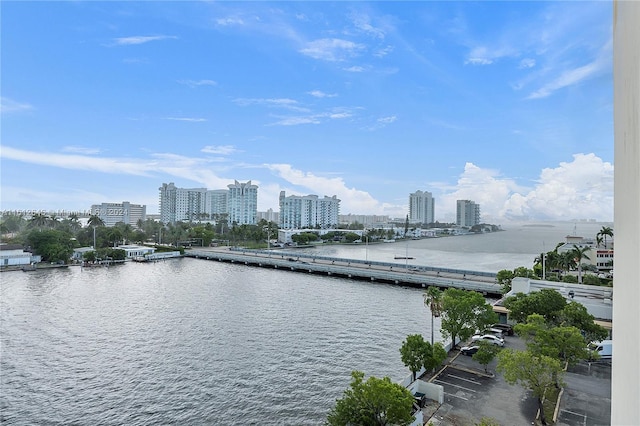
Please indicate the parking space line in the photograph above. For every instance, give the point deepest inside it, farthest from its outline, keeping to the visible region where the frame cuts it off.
(453, 394)
(457, 386)
(584, 416)
(466, 380)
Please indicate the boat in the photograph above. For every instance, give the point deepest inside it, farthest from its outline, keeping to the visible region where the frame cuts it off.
(404, 257)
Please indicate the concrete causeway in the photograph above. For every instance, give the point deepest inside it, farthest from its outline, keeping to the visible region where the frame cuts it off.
(393, 273)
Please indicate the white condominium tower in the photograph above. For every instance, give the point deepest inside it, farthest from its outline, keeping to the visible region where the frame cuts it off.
(467, 213)
(217, 201)
(308, 211)
(112, 213)
(181, 204)
(242, 204)
(421, 207)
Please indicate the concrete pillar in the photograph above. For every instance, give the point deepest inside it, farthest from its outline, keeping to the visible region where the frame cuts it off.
(625, 379)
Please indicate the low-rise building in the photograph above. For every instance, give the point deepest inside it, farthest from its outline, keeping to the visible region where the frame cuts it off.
(134, 251)
(15, 255)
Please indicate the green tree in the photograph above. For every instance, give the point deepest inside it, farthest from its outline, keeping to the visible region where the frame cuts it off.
(94, 220)
(564, 343)
(546, 302)
(604, 232)
(537, 373)
(575, 314)
(504, 278)
(12, 223)
(413, 352)
(371, 403)
(580, 253)
(417, 353)
(464, 312)
(39, 221)
(433, 300)
(351, 237)
(486, 353)
(51, 244)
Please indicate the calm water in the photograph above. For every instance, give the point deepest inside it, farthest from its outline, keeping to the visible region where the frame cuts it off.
(190, 341)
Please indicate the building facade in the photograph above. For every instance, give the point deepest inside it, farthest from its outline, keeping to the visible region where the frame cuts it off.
(308, 211)
(421, 207)
(242, 203)
(467, 213)
(125, 212)
(181, 204)
(217, 203)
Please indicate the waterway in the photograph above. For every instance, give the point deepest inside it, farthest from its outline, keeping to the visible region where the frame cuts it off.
(188, 341)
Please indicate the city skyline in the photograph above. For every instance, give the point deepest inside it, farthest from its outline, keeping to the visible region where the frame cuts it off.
(507, 104)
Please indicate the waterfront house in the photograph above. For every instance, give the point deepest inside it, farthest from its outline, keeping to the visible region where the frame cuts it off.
(15, 255)
(134, 251)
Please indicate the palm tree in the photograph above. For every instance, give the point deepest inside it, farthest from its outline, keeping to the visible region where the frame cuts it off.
(94, 220)
(567, 261)
(39, 220)
(433, 300)
(604, 232)
(578, 254)
(115, 235)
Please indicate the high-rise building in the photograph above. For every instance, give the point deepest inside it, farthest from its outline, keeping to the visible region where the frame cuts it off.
(467, 213)
(125, 212)
(181, 204)
(308, 211)
(421, 207)
(269, 216)
(217, 203)
(242, 203)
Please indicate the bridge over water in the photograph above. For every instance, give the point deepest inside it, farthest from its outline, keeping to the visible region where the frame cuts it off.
(386, 272)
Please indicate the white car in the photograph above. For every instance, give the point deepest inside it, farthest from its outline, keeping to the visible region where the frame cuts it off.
(489, 338)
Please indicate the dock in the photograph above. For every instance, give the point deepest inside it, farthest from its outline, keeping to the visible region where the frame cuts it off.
(384, 272)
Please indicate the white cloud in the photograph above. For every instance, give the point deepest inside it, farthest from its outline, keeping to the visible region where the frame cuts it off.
(363, 23)
(484, 186)
(582, 188)
(478, 61)
(568, 78)
(285, 103)
(81, 150)
(355, 68)
(80, 162)
(295, 121)
(352, 200)
(527, 63)
(321, 94)
(331, 49)
(381, 122)
(387, 120)
(229, 21)
(188, 119)
(219, 150)
(127, 41)
(9, 105)
(197, 83)
(382, 52)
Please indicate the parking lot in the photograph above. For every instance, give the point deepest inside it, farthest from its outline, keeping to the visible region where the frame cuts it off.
(470, 394)
(587, 396)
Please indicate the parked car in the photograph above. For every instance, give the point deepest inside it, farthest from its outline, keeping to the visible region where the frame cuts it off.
(489, 338)
(495, 331)
(469, 350)
(506, 328)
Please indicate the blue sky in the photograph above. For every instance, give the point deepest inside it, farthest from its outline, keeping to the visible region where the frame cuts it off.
(509, 104)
